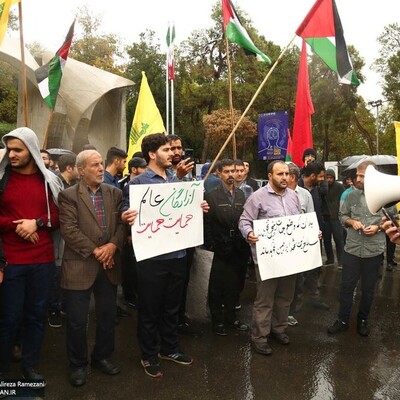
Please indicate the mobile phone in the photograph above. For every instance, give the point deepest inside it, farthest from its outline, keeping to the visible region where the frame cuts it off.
(390, 217)
(188, 155)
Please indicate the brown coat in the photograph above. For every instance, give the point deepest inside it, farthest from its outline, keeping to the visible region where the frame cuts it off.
(82, 234)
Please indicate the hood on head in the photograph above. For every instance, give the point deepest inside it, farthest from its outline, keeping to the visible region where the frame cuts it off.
(31, 141)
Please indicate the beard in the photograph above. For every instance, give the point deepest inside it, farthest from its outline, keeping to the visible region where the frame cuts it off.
(175, 160)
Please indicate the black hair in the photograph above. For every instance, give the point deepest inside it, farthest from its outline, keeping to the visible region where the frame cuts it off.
(314, 167)
(113, 153)
(151, 143)
(272, 164)
(223, 163)
(65, 161)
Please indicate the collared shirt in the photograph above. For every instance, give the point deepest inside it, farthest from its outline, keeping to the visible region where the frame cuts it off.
(246, 189)
(230, 195)
(151, 177)
(98, 204)
(111, 179)
(266, 203)
(358, 244)
(306, 201)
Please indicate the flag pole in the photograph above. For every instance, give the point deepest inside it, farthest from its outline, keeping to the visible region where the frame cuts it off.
(167, 83)
(172, 108)
(228, 61)
(23, 66)
(46, 134)
(248, 106)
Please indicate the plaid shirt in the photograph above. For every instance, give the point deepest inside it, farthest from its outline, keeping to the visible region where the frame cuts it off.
(97, 199)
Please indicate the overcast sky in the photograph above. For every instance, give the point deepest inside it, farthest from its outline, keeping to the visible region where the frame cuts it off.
(48, 21)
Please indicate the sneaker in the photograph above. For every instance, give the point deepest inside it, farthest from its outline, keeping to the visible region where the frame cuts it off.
(180, 358)
(318, 303)
(220, 330)
(55, 319)
(31, 374)
(152, 368)
(188, 330)
(238, 306)
(362, 327)
(340, 267)
(338, 326)
(292, 321)
(122, 313)
(262, 348)
(131, 304)
(240, 326)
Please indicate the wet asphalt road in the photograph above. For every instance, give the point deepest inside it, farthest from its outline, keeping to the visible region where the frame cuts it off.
(314, 366)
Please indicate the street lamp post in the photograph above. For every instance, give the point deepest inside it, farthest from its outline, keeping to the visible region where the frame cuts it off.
(377, 104)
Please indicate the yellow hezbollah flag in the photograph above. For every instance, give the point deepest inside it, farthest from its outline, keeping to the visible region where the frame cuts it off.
(4, 12)
(397, 128)
(147, 119)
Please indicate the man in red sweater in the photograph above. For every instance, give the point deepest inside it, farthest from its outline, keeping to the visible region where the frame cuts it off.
(28, 215)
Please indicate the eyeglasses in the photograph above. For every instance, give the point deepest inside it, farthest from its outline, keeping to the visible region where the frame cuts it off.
(176, 148)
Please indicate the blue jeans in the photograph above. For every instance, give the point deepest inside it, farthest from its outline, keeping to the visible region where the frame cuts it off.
(355, 268)
(23, 299)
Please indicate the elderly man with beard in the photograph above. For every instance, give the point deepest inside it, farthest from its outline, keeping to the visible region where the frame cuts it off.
(274, 296)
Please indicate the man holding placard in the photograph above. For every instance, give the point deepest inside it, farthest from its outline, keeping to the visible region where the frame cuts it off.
(161, 278)
(271, 306)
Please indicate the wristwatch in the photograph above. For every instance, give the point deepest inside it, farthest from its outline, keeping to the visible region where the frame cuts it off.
(39, 223)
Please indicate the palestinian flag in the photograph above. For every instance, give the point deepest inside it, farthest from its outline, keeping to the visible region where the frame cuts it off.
(323, 31)
(49, 76)
(170, 52)
(235, 32)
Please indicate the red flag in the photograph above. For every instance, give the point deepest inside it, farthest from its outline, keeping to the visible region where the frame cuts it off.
(302, 135)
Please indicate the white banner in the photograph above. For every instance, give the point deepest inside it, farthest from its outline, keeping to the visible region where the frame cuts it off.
(287, 245)
(170, 217)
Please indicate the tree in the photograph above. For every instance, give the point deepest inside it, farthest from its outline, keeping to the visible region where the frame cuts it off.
(145, 56)
(101, 51)
(218, 127)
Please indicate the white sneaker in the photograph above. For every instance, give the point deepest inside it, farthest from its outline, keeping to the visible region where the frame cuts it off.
(292, 321)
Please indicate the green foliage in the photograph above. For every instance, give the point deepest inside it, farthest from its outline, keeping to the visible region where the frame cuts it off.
(342, 123)
(101, 51)
(8, 93)
(6, 127)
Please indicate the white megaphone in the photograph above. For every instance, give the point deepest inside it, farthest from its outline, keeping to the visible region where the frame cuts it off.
(380, 189)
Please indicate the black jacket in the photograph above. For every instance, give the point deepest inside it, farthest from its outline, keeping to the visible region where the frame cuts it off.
(221, 232)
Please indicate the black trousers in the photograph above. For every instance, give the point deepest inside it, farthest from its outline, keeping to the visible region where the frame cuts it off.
(129, 274)
(354, 269)
(224, 286)
(160, 288)
(77, 306)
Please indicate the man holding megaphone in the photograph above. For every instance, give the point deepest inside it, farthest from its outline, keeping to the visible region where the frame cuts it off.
(364, 248)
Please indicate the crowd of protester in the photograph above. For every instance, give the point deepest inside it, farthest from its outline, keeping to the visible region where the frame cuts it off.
(71, 242)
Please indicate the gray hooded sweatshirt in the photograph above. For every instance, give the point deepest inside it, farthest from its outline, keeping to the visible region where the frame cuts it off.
(29, 138)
